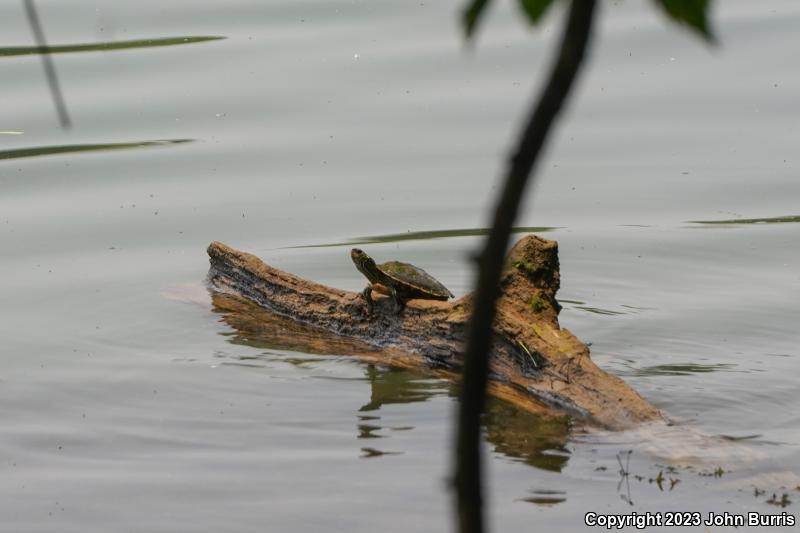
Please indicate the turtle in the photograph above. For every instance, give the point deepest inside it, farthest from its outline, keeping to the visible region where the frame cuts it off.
(401, 281)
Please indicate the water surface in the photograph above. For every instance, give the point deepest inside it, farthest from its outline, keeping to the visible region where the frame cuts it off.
(128, 408)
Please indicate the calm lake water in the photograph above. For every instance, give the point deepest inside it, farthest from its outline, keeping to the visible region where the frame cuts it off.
(127, 404)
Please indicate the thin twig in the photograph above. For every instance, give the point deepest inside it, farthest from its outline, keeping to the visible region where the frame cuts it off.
(467, 477)
(47, 62)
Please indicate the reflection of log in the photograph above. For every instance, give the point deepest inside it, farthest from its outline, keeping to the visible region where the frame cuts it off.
(535, 363)
(537, 440)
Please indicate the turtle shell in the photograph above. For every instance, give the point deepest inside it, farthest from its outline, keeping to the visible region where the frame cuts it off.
(413, 281)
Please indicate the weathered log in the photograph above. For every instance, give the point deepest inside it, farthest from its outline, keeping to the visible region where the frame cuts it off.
(536, 364)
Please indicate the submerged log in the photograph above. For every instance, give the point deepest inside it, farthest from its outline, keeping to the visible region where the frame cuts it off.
(535, 363)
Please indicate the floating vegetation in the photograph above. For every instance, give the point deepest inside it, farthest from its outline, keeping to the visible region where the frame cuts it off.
(544, 500)
(598, 310)
(716, 473)
(783, 501)
(372, 452)
(581, 305)
(659, 480)
(546, 497)
(367, 431)
(742, 438)
(769, 220)
(635, 308)
(680, 369)
(423, 236)
(11, 51)
(37, 151)
(242, 364)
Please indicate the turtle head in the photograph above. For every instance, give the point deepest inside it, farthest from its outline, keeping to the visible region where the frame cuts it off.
(364, 263)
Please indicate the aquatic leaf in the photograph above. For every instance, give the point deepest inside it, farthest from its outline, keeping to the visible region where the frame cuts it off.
(598, 310)
(766, 220)
(733, 438)
(681, 369)
(37, 151)
(535, 9)
(691, 13)
(9, 51)
(545, 500)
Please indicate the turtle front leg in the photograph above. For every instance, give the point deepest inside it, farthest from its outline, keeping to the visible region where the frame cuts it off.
(399, 303)
(367, 294)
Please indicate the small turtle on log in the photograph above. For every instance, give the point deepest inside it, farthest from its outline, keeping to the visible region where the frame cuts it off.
(536, 364)
(401, 281)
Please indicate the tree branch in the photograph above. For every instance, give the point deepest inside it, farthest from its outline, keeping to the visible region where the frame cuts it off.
(476, 364)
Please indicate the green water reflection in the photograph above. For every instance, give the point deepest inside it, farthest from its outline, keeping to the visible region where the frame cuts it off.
(11, 51)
